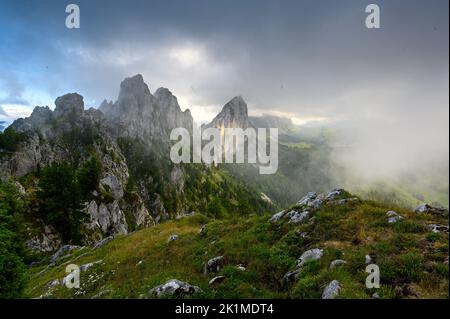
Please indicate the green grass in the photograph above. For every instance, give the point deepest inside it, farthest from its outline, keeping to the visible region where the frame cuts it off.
(402, 251)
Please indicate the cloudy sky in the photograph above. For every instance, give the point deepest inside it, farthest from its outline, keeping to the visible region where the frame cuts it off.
(309, 60)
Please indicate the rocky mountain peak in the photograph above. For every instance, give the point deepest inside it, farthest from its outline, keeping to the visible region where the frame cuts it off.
(69, 104)
(167, 99)
(134, 84)
(234, 114)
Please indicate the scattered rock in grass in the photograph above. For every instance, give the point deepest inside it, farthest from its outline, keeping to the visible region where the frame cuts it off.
(368, 259)
(406, 290)
(332, 290)
(297, 217)
(393, 217)
(301, 234)
(103, 242)
(337, 263)
(202, 230)
(375, 296)
(241, 267)
(425, 208)
(52, 284)
(213, 265)
(139, 263)
(437, 228)
(173, 238)
(290, 277)
(310, 255)
(174, 287)
(86, 267)
(66, 249)
(334, 193)
(276, 217)
(216, 280)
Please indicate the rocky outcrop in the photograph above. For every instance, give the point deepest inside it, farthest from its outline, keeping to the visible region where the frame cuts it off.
(139, 114)
(425, 208)
(290, 277)
(332, 290)
(174, 287)
(47, 241)
(393, 217)
(310, 255)
(109, 218)
(213, 265)
(297, 217)
(64, 250)
(438, 228)
(337, 263)
(216, 280)
(172, 238)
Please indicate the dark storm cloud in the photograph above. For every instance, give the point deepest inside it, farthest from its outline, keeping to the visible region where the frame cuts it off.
(307, 59)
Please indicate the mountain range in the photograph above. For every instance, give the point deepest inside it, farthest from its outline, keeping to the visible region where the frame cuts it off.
(74, 180)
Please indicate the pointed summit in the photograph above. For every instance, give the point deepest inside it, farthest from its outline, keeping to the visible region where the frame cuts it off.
(134, 92)
(234, 115)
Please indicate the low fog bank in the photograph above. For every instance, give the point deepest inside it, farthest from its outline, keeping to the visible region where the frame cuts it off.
(404, 160)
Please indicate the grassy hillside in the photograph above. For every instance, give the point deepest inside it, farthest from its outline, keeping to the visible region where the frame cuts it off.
(413, 260)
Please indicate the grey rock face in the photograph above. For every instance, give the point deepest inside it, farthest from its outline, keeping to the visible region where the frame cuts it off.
(69, 105)
(141, 215)
(276, 217)
(169, 105)
(174, 287)
(213, 265)
(141, 115)
(317, 202)
(233, 115)
(332, 290)
(111, 184)
(108, 217)
(297, 217)
(310, 255)
(311, 196)
(48, 241)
